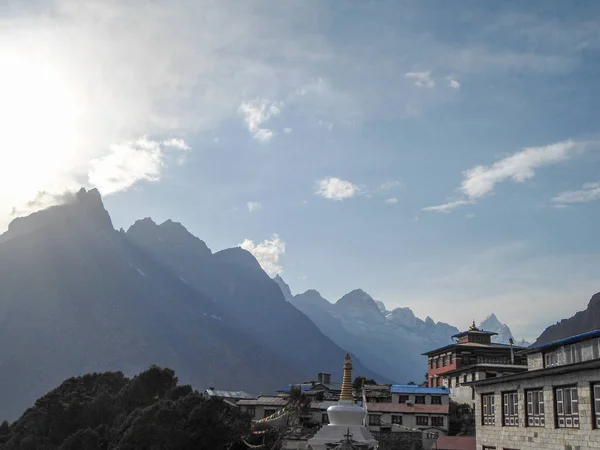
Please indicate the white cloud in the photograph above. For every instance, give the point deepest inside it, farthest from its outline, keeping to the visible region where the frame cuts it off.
(336, 189)
(454, 84)
(446, 207)
(519, 167)
(391, 201)
(176, 143)
(287, 130)
(258, 112)
(588, 193)
(267, 253)
(422, 79)
(130, 162)
(254, 206)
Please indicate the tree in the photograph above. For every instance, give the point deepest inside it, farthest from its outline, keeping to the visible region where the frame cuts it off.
(360, 381)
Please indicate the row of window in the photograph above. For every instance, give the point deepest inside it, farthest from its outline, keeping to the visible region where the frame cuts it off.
(441, 361)
(436, 421)
(420, 399)
(566, 407)
(574, 353)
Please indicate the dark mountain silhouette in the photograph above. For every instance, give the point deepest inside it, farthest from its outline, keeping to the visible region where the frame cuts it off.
(77, 296)
(586, 320)
(236, 281)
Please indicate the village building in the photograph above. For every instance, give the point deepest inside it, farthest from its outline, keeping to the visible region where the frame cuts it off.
(553, 405)
(261, 407)
(319, 390)
(471, 357)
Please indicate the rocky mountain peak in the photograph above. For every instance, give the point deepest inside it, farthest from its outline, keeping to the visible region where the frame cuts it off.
(285, 289)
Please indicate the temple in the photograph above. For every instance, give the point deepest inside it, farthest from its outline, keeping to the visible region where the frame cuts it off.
(346, 428)
(473, 356)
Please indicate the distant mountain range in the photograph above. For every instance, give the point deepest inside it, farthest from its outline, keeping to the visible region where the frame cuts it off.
(77, 296)
(581, 322)
(491, 323)
(389, 342)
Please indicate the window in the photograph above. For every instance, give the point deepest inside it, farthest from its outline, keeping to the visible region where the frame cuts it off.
(444, 361)
(437, 421)
(431, 363)
(402, 398)
(397, 420)
(511, 409)
(596, 404)
(487, 409)
(464, 378)
(573, 353)
(374, 420)
(551, 359)
(436, 400)
(451, 358)
(567, 408)
(268, 412)
(422, 420)
(324, 418)
(535, 408)
(420, 399)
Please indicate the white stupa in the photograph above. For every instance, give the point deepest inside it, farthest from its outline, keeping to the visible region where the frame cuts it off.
(346, 419)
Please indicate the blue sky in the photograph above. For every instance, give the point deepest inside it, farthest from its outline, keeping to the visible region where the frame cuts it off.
(439, 155)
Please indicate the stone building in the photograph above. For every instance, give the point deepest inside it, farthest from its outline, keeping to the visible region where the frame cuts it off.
(472, 357)
(554, 405)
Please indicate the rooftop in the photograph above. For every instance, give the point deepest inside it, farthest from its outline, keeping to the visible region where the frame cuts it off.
(511, 367)
(229, 394)
(473, 345)
(408, 409)
(414, 389)
(567, 340)
(567, 368)
(456, 443)
(264, 401)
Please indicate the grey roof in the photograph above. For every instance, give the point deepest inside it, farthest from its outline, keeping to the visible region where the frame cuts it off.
(264, 401)
(229, 394)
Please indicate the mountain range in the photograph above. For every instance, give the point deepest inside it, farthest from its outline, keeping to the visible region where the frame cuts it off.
(491, 323)
(78, 296)
(389, 342)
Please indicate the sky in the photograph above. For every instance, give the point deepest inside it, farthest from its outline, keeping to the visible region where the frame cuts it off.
(439, 155)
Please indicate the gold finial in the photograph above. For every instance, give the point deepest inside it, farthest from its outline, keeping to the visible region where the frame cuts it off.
(347, 380)
(474, 327)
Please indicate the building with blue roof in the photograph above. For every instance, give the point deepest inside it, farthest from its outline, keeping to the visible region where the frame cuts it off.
(554, 404)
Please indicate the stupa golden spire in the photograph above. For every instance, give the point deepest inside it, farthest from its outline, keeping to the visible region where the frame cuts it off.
(347, 380)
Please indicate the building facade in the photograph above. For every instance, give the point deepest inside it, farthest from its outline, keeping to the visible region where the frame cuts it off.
(262, 407)
(554, 405)
(472, 357)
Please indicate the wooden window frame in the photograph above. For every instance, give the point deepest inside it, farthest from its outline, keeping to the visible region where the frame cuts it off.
(396, 419)
(439, 419)
(510, 409)
(417, 402)
(488, 409)
(566, 408)
(377, 421)
(535, 408)
(426, 424)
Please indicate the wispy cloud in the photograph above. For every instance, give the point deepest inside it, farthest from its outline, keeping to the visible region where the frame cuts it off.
(130, 162)
(390, 184)
(267, 253)
(287, 130)
(453, 83)
(588, 193)
(391, 201)
(421, 79)
(254, 206)
(446, 207)
(258, 112)
(480, 181)
(336, 189)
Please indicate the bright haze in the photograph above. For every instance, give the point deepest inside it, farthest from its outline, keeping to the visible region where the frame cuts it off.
(439, 155)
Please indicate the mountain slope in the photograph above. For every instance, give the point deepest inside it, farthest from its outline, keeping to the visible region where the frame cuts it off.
(78, 296)
(390, 343)
(582, 321)
(238, 284)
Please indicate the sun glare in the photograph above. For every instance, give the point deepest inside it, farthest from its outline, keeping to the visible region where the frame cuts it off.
(40, 119)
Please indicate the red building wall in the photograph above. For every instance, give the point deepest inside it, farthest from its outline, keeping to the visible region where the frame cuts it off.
(440, 370)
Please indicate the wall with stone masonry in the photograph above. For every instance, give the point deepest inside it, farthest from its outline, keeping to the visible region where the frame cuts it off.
(548, 437)
(535, 361)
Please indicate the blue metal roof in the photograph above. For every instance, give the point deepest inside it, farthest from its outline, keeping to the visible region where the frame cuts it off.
(567, 340)
(413, 389)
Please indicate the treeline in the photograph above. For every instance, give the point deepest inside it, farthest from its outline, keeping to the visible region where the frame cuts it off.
(109, 411)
